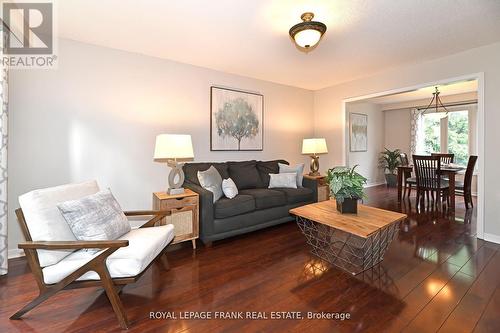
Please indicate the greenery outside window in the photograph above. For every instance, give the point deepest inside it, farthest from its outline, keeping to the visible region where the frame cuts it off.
(447, 134)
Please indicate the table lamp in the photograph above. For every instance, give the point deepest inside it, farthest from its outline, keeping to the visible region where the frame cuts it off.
(314, 147)
(172, 149)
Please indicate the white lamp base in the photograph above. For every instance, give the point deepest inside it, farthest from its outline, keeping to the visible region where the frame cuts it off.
(175, 191)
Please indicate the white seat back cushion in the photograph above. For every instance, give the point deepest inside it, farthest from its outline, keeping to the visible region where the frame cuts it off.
(44, 220)
(144, 245)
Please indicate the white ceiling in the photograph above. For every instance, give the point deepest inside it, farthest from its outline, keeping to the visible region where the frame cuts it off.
(250, 37)
(426, 93)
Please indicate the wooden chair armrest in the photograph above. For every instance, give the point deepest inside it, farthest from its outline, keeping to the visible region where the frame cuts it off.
(146, 213)
(65, 245)
(157, 216)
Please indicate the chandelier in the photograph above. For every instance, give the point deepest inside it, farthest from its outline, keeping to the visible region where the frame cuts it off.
(436, 104)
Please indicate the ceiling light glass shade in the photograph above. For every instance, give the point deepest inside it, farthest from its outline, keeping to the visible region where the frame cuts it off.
(307, 38)
(308, 33)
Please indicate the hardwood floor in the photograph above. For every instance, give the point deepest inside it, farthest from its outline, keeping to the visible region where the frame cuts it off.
(436, 276)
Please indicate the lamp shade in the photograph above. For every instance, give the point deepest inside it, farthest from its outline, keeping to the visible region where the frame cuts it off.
(173, 147)
(314, 146)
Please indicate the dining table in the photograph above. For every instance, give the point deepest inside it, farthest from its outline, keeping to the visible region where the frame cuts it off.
(448, 171)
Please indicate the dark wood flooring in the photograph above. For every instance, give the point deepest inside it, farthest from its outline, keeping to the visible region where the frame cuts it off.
(436, 276)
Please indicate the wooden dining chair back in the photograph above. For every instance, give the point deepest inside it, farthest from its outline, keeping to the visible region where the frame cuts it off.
(445, 158)
(428, 178)
(465, 188)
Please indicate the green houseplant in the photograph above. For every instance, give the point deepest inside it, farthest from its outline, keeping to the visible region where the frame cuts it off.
(346, 185)
(389, 161)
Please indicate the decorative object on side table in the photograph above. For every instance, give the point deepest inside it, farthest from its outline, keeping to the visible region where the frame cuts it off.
(358, 132)
(314, 147)
(236, 119)
(183, 214)
(346, 185)
(389, 161)
(323, 188)
(172, 149)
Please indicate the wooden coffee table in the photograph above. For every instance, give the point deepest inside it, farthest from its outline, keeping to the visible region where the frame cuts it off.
(353, 242)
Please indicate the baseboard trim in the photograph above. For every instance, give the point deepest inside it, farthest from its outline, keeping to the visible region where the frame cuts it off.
(15, 253)
(491, 238)
(374, 184)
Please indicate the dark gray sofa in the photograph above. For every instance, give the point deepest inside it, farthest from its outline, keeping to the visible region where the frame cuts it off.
(255, 207)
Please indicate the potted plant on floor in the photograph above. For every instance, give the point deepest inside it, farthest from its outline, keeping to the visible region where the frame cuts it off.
(389, 161)
(346, 185)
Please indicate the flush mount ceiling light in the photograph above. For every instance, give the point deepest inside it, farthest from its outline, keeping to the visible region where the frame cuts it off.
(307, 33)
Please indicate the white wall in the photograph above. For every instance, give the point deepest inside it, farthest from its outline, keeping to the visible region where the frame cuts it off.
(97, 115)
(367, 161)
(330, 120)
(397, 130)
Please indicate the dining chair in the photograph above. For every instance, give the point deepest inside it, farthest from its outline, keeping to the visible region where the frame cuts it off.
(445, 158)
(427, 171)
(408, 180)
(465, 188)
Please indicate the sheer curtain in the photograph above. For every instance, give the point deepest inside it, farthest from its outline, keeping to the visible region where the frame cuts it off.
(4, 123)
(417, 137)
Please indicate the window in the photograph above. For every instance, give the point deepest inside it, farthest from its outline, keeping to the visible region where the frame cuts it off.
(432, 132)
(458, 136)
(447, 134)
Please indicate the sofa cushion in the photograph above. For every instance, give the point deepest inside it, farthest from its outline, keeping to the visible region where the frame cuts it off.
(244, 174)
(238, 205)
(45, 222)
(191, 170)
(295, 195)
(265, 198)
(144, 245)
(267, 167)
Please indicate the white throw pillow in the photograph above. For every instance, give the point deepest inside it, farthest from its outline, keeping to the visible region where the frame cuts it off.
(45, 222)
(298, 169)
(212, 181)
(283, 180)
(229, 188)
(95, 217)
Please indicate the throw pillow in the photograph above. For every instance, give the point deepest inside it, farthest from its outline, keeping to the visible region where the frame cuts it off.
(283, 180)
(229, 188)
(267, 167)
(212, 181)
(298, 169)
(95, 217)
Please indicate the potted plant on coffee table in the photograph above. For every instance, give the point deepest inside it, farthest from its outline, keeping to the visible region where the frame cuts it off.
(389, 161)
(346, 185)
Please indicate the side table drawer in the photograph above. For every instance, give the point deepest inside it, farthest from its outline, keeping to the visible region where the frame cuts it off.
(179, 202)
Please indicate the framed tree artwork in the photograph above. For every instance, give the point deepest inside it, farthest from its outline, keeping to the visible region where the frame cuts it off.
(358, 132)
(236, 120)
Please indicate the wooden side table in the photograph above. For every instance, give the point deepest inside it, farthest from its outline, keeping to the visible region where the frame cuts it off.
(323, 188)
(184, 214)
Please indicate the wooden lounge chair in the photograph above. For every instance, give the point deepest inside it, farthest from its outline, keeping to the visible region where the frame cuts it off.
(60, 263)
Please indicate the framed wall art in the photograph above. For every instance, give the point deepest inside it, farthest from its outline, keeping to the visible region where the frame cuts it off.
(236, 120)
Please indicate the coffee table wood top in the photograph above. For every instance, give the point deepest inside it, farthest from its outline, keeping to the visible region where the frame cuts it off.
(366, 222)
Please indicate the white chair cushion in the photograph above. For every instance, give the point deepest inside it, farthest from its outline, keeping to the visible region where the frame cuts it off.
(45, 222)
(144, 245)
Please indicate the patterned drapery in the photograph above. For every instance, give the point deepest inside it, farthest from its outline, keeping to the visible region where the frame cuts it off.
(416, 139)
(4, 123)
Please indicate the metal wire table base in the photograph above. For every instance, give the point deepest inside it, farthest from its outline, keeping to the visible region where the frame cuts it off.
(349, 252)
